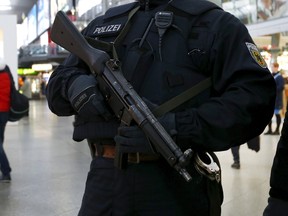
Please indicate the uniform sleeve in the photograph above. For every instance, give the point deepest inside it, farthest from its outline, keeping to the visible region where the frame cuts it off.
(242, 96)
(58, 83)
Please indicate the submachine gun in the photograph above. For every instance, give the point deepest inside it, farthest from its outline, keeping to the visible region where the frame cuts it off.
(126, 104)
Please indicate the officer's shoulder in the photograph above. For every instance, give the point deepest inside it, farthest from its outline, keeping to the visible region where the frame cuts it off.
(195, 7)
(119, 10)
(111, 13)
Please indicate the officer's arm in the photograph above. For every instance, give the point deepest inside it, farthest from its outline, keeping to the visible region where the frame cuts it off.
(243, 93)
(60, 79)
(58, 84)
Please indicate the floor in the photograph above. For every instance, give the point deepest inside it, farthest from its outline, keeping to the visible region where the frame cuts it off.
(49, 169)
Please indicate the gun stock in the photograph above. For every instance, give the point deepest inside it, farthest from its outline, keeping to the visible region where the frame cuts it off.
(131, 107)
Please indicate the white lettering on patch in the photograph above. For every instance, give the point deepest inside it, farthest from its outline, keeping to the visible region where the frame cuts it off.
(106, 29)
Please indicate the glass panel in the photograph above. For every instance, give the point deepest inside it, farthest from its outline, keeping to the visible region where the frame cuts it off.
(245, 10)
(270, 9)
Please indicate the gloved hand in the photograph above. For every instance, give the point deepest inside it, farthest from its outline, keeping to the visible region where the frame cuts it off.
(167, 120)
(132, 139)
(86, 99)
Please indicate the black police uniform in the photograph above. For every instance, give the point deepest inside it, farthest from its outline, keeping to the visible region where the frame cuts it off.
(278, 200)
(280, 83)
(202, 41)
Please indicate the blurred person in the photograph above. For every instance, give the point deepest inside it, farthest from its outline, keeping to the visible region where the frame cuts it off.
(264, 9)
(280, 8)
(43, 87)
(280, 85)
(268, 9)
(71, 16)
(5, 88)
(235, 108)
(25, 89)
(278, 193)
(253, 144)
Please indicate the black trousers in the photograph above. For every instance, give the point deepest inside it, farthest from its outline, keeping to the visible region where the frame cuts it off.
(235, 153)
(4, 162)
(144, 189)
(276, 207)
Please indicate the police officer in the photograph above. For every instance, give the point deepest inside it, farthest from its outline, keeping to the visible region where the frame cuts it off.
(165, 47)
(278, 199)
(280, 85)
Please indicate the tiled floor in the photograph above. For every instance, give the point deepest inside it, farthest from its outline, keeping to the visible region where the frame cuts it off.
(49, 170)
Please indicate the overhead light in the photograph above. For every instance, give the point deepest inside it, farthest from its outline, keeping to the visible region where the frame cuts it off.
(42, 67)
(5, 7)
(5, 2)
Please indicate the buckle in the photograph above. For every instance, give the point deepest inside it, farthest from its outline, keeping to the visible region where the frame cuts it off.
(134, 157)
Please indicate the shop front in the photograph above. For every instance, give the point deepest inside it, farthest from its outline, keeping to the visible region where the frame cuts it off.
(36, 80)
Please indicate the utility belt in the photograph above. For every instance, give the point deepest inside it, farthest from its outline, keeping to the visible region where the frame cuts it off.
(109, 151)
(205, 163)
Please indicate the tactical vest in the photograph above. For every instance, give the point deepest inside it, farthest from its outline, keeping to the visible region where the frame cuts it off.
(160, 68)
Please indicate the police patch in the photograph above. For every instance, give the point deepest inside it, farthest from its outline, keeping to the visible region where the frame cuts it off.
(256, 54)
(107, 29)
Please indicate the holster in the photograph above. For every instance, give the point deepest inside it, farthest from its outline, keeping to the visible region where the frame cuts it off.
(208, 165)
(97, 146)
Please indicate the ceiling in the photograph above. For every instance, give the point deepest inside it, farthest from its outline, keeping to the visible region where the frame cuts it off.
(20, 8)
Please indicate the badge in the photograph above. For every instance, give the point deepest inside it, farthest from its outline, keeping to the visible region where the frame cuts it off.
(256, 54)
(114, 28)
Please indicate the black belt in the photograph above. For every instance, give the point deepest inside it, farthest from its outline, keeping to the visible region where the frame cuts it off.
(109, 151)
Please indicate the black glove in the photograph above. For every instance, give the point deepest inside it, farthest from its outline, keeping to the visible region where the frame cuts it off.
(132, 139)
(86, 99)
(167, 120)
